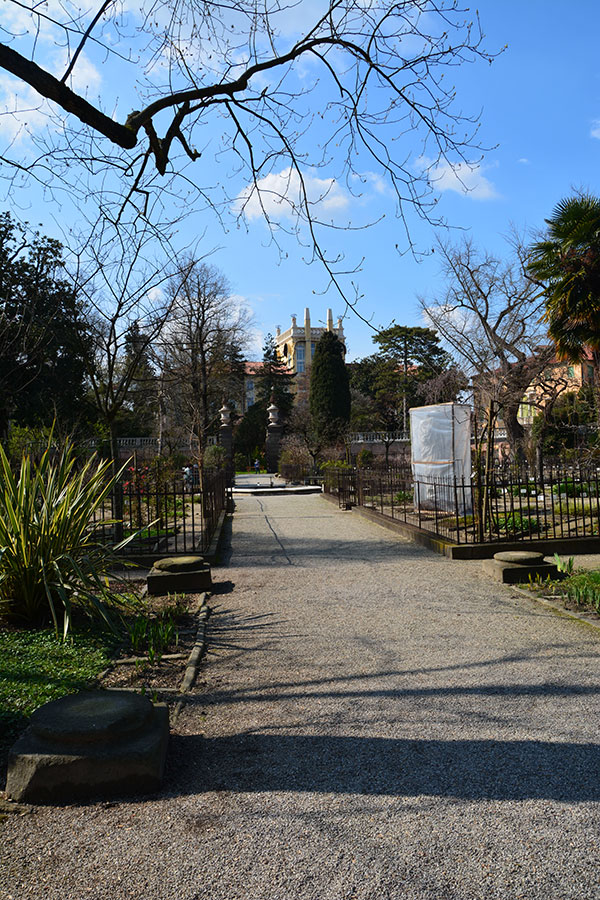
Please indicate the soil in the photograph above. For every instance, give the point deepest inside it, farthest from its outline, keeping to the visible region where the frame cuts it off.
(160, 678)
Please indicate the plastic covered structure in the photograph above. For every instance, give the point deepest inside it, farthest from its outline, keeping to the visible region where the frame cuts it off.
(441, 457)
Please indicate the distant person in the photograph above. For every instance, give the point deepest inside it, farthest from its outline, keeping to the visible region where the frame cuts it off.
(256, 466)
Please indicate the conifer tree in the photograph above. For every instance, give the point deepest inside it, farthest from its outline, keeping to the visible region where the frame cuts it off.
(329, 388)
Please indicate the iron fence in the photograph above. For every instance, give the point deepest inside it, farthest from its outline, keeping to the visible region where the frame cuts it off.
(169, 516)
(510, 504)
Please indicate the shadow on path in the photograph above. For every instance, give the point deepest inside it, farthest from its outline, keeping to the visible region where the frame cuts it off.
(466, 769)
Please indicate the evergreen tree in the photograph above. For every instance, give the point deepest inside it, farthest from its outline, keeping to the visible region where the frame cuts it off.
(329, 401)
(273, 380)
(43, 341)
(417, 357)
(138, 416)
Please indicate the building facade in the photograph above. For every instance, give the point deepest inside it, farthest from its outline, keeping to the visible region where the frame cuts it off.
(296, 346)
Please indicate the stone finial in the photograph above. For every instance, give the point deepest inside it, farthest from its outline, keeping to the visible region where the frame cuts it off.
(329, 320)
(340, 325)
(225, 414)
(277, 331)
(293, 321)
(273, 413)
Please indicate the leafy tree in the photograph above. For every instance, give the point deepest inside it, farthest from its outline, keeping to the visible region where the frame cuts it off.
(43, 340)
(251, 432)
(329, 400)
(417, 356)
(273, 380)
(378, 379)
(567, 265)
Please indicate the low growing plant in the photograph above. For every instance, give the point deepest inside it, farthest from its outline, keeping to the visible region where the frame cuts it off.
(584, 589)
(565, 566)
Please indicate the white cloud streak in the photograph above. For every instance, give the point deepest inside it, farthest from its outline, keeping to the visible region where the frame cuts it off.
(279, 195)
(462, 178)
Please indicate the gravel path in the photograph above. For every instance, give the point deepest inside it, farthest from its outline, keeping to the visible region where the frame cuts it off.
(372, 721)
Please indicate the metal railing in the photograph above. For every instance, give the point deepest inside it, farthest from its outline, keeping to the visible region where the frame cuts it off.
(506, 505)
(174, 516)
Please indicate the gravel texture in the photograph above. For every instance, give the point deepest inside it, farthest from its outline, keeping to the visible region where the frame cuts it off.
(372, 721)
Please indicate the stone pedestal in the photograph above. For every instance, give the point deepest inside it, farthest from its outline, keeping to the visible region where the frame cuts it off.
(518, 566)
(87, 745)
(179, 575)
(226, 440)
(273, 439)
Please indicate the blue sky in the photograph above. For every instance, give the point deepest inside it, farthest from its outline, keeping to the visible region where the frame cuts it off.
(540, 119)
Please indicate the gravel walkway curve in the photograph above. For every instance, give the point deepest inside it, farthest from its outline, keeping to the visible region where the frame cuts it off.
(371, 721)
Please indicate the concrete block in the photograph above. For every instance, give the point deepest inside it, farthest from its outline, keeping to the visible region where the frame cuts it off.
(517, 573)
(87, 745)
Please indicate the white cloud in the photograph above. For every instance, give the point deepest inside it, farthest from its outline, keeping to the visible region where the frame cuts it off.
(595, 129)
(372, 180)
(524, 161)
(279, 195)
(85, 75)
(462, 178)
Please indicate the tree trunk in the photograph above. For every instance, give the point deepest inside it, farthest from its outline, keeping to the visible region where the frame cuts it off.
(117, 491)
(515, 432)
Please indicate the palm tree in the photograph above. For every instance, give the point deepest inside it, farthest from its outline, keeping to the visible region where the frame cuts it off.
(567, 266)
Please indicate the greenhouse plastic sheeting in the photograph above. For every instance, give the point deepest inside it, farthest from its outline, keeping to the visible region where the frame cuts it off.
(441, 456)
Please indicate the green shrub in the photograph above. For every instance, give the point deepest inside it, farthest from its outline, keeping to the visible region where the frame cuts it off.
(215, 457)
(522, 490)
(336, 464)
(516, 523)
(364, 459)
(50, 561)
(584, 589)
(403, 497)
(572, 488)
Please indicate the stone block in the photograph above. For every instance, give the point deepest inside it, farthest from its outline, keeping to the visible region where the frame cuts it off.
(182, 575)
(88, 745)
(518, 573)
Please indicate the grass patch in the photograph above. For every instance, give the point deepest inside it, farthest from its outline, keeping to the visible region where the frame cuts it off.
(36, 666)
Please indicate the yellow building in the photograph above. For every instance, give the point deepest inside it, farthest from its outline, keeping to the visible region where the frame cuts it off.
(557, 378)
(296, 345)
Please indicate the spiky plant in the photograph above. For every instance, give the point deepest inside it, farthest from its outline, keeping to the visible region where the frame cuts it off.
(50, 559)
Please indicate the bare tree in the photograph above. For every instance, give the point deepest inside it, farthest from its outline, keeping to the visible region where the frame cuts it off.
(490, 314)
(199, 348)
(121, 281)
(352, 88)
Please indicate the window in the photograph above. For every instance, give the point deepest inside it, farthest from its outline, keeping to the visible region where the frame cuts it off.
(570, 371)
(312, 349)
(299, 357)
